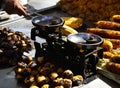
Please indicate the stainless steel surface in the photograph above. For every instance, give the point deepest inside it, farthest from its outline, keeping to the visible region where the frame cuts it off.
(42, 4)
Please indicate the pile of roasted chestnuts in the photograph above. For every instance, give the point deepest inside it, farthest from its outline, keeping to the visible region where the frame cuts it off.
(41, 74)
(12, 46)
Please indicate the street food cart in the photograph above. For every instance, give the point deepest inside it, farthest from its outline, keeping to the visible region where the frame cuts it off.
(57, 47)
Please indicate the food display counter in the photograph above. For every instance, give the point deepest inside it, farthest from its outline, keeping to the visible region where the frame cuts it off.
(7, 74)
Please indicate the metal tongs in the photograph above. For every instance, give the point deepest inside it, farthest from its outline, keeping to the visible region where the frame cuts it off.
(30, 16)
(34, 12)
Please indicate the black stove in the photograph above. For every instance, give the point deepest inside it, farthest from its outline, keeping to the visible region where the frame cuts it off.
(58, 48)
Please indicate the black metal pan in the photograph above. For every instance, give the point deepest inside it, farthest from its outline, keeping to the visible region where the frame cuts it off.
(85, 40)
(44, 21)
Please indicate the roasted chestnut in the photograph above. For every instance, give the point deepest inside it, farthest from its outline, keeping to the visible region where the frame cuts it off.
(77, 80)
(58, 87)
(67, 74)
(67, 83)
(41, 80)
(33, 86)
(57, 82)
(53, 75)
(29, 80)
(46, 86)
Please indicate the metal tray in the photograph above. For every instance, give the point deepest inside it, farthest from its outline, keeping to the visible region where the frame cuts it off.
(102, 70)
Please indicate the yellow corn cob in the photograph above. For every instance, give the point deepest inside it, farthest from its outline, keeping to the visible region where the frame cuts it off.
(66, 30)
(73, 22)
(116, 18)
(107, 45)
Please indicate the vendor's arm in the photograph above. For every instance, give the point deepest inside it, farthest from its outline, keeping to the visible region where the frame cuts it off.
(13, 6)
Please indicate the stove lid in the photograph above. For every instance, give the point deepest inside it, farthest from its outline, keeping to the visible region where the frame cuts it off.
(85, 39)
(47, 21)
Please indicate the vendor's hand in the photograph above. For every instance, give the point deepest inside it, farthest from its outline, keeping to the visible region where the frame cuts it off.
(15, 7)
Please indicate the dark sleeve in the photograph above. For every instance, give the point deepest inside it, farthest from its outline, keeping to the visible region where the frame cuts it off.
(2, 4)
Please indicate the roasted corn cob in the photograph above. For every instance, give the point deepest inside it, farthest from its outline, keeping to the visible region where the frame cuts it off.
(108, 25)
(73, 22)
(113, 67)
(107, 54)
(115, 58)
(105, 33)
(107, 45)
(91, 9)
(66, 30)
(110, 54)
(116, 18)
(115, 42)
